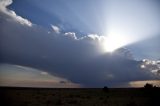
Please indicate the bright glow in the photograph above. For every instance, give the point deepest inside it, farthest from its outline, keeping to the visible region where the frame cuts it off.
(113, 42)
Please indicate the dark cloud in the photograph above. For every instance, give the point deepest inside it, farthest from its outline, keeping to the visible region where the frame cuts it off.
(80, 60)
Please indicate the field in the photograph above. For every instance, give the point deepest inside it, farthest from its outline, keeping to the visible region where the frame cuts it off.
(13, 96)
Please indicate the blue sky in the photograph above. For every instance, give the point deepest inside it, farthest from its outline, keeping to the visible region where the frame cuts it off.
(70, 15)
(85, 43)
(130, 18)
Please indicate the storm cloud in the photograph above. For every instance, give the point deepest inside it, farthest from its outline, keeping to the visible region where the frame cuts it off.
(78, 59)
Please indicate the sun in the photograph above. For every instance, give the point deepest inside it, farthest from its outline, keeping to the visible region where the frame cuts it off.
(109, 44)
(112, 43)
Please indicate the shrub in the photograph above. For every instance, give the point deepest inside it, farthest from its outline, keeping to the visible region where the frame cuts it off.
(105, 88)
(148, 86)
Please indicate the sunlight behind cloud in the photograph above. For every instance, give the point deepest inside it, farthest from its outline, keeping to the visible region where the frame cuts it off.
(126, 24)
(113, 42)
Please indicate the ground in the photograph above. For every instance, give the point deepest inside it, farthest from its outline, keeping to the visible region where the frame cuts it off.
(14, 96)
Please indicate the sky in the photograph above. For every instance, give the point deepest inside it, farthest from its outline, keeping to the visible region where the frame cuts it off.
(68, 43)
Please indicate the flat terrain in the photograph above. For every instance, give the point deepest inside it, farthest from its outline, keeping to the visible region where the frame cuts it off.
(14, 96)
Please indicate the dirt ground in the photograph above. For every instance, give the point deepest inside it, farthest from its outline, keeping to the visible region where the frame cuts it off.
(13, 96)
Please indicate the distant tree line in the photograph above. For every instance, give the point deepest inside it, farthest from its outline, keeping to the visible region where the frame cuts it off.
(149, 86)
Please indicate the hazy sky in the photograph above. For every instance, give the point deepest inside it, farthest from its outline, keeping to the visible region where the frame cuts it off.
(67, 41)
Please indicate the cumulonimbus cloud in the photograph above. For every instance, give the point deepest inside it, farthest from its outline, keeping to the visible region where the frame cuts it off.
(80, 60)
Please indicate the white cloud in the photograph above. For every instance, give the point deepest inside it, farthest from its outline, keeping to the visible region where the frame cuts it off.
(19, 19)
(55, 29)
(4, 4)
(71, 35)
(44, 73)
(12, 15)
(151, 66)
